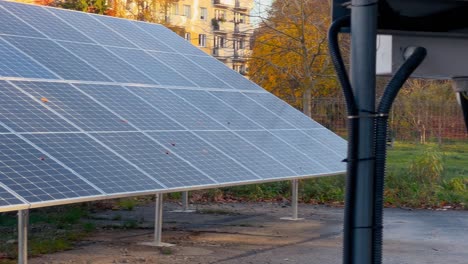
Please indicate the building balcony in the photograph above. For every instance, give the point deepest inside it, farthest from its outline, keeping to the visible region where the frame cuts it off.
(223, 53)
(177, 20)
(243, 29)
(223, 3)
(241, 6)
(241, 55)
(219, 27)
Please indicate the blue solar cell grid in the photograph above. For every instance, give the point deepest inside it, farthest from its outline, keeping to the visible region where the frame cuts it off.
(107, 63)
(35, 176)
(133, 33)
(8, 199)
(95, 163)
(69, 102)
(152, 67)
(217, 109)
(16, 64)
(190, 70)
(51, 26)
(11, 25)
(250, 156)
(92, 28)
(211, 161)
(132, 109)
(252, 110)
(284, 110)
(56, 59)
(22, 114)
(176, 108)
(276, 148)
(158, 161)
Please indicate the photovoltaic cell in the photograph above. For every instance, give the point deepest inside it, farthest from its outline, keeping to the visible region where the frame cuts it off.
(252, 110)
(35, 176)
(23, 114)
(107, 63)
(247, 154)
(92, 28)
(218, 166)
(332, 140)
(13, 26)
(283, 110)
(130, 107)
(73, 105)
(154, 159)
(223, 72)
(313, 148)
(50, 26)
(218, 110)
(190, 70)
(56, 58)
(16, 64)
(133, 33)
(7, 199)
(176, 42)
(151, 67)
(290, 157)
(176, 108)
(94, 162)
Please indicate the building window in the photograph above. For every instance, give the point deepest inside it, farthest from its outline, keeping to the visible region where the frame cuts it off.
(187, 11)
(203, 13)
(219, 42)
(220, 15)
(238, 44)
(175, 9)
(201, 40)
(187, 36)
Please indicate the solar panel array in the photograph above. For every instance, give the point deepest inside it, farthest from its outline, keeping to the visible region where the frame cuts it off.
(94, 107)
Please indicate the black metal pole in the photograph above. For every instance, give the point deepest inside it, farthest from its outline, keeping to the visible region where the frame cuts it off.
(363, 59)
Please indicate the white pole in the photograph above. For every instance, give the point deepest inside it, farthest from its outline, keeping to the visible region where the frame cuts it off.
(295, 191)
(23, 223)
(185, 201)
(294, 198)
(158, 219)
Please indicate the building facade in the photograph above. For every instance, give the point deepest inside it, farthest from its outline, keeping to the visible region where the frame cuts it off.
(221, 28)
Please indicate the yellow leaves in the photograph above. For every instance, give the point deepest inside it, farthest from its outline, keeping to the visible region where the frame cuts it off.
(44, 100)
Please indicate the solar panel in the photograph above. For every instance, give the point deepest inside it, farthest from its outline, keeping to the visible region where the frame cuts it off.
(8, 199)
(94, 106)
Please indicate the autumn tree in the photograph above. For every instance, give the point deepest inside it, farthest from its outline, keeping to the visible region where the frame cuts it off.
(290, 56)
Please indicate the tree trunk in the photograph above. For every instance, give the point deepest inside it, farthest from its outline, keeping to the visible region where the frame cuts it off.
(307, 102)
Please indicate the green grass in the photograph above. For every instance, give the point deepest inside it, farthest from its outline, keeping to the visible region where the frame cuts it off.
(51, 230)
(417, 176)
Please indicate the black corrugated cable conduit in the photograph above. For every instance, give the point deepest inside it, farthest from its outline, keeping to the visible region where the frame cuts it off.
(353, 132)
(380, 137)
(381, 130)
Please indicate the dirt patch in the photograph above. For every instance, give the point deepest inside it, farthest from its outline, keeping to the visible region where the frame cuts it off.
(254, 233)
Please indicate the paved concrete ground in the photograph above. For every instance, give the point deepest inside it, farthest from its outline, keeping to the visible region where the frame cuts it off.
(253, 233)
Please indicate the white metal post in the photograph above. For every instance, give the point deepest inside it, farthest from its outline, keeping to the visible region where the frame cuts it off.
(185, 204)
(23, 223)
(158, 219)
(185, 201)
(294, 198)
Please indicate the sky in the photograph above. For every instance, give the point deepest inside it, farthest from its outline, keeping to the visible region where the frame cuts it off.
(259, 10)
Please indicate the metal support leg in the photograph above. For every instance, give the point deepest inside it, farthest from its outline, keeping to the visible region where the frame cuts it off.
(23, 223)
(158, 219)
(185, 204)
(294, 198)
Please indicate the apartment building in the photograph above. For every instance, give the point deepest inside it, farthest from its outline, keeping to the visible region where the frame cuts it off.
(219, 27)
